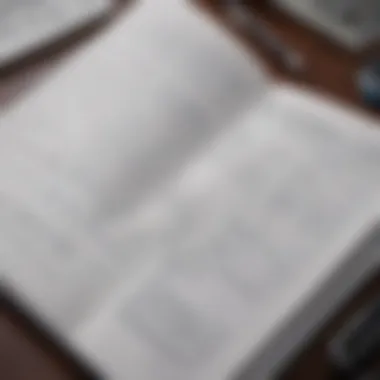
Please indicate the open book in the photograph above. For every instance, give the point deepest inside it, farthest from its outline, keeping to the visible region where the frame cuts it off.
(172, 213)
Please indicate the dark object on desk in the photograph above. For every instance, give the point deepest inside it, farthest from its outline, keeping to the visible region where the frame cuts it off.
(290, 59)
(369, 84)
(314, 362)
(352, 24)
(354, 350)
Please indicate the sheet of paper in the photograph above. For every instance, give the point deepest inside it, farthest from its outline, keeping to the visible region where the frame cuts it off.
(26, 25)
(108, 125)
(247, 233)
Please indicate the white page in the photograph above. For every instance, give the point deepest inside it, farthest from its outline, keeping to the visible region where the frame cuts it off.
(249, 232)
(109, 124)
(26, 25)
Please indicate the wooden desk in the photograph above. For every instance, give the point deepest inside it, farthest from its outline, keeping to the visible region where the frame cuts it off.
(28, 354)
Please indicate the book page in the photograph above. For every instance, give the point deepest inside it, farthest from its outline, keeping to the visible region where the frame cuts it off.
(110, 124)
(247, 234)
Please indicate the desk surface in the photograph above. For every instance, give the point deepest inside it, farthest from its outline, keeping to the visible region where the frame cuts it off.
(26, 353)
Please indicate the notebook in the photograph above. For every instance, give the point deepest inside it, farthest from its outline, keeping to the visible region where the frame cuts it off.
(172, 213)
(27, 25)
